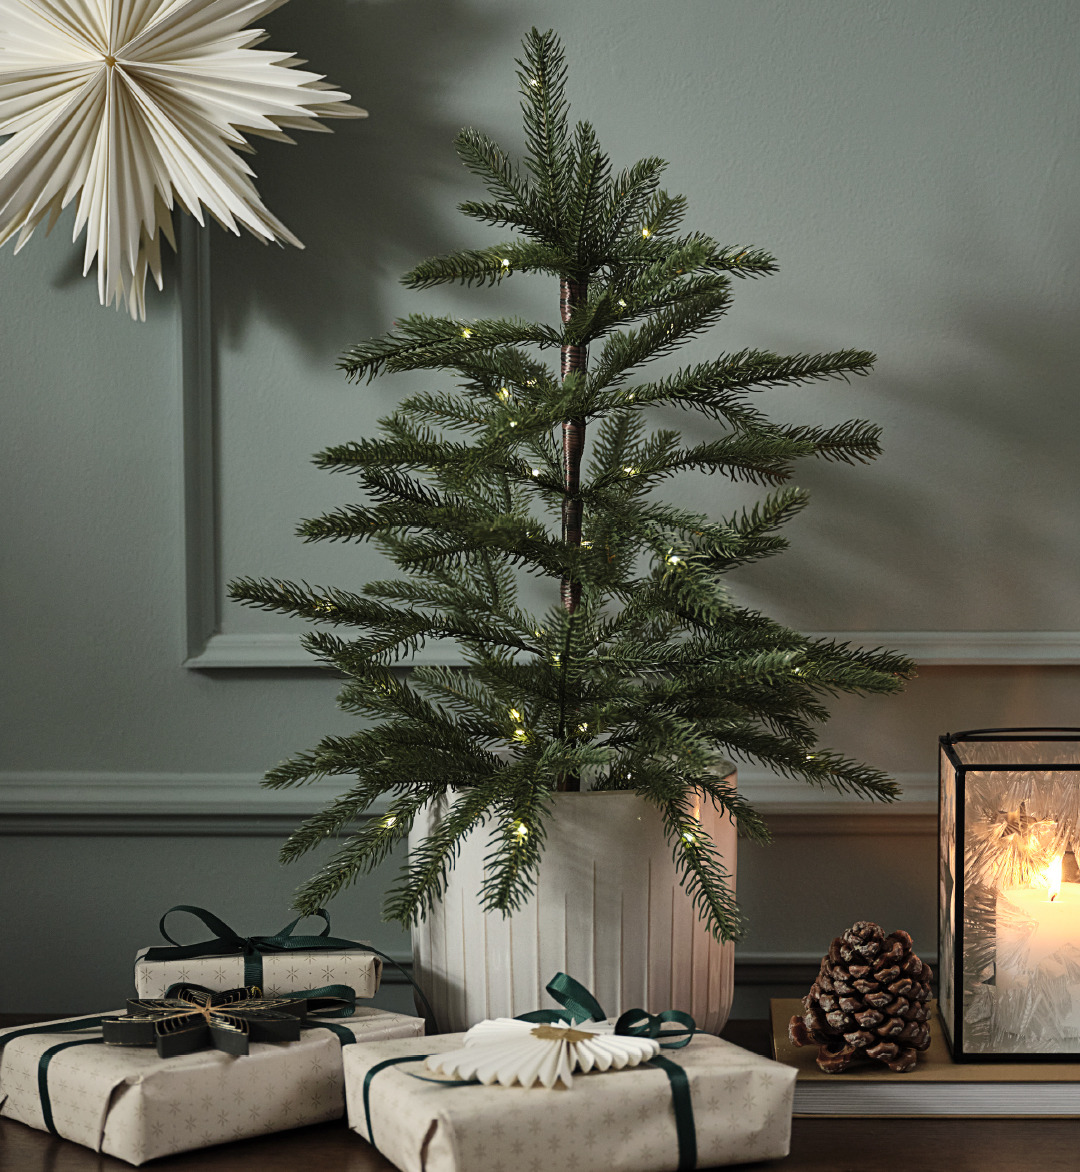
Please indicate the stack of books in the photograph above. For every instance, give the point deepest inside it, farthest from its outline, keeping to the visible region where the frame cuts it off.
(937, 1086)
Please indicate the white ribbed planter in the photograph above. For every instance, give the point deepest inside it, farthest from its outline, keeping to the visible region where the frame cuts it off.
(608, 909)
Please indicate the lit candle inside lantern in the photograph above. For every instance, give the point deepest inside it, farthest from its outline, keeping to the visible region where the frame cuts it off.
(1052, 912)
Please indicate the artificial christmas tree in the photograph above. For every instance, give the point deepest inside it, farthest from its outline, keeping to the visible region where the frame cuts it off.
(644, 674)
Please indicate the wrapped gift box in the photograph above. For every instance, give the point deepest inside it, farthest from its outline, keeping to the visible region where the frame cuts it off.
(622, 1119)
(283, 972)
(131, 1104)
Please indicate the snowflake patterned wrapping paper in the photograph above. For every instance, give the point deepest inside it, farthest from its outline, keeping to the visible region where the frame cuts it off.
(129, 1103)
(622, 1119)
(283, 972)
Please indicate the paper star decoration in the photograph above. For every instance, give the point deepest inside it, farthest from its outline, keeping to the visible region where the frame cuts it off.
(130, 107)
(197, 1018)
(507, 1051)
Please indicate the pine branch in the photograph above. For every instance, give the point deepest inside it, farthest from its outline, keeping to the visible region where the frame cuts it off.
(661, 334)
(486, 266)
(713, 388)
(756, 455)
(585, 206)
(376, 838)
(852, 442)
(628, 205)
(542, 82)
(425, 342)
(637, 250)
(492, 164)
(705, 877)
(424, 878)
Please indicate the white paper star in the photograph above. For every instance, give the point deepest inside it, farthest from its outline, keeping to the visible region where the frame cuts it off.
(132, 106)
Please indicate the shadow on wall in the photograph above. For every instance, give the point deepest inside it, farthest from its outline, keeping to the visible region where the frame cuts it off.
(374, 191)
(967, 520)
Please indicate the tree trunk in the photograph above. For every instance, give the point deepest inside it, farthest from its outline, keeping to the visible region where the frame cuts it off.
(574, 358)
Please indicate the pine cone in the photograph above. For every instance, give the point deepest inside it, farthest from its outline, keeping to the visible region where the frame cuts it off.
(870, 998)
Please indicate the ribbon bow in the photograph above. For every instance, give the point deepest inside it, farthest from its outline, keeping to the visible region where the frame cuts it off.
(229, 942)
(581, 1006)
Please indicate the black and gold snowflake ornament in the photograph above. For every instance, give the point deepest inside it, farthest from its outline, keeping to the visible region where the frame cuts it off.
(197, 1019)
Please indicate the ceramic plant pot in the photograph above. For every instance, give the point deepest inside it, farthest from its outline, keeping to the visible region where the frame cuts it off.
(608, 909)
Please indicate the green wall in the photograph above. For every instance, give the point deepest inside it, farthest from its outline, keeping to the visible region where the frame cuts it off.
(912, 165)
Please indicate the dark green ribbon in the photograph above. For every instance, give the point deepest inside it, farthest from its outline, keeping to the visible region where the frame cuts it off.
(580, 1005)
(344, 1035)
(56, 1027)
(228, 942)
(685, 1129)
(333, 995)
(636, 1023)
(576, 1000)
(43, 1076)
(326, 1001)
(367, 1088)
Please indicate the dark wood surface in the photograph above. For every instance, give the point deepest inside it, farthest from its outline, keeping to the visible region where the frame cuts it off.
(817, 1145)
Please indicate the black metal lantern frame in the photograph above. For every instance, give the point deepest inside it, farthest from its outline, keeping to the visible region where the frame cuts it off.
(1009, 894)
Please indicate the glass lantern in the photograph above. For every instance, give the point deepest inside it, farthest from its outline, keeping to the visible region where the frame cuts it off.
(1009, 894)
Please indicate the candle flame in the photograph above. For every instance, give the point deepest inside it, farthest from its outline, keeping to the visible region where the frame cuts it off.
(1053, 878)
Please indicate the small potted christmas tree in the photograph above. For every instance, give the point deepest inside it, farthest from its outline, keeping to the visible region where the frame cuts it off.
(643, 676)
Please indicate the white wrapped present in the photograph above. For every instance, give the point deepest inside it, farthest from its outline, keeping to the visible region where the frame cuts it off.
(739, 1110)
(279, 965)
(282, 972)
(129, 1103)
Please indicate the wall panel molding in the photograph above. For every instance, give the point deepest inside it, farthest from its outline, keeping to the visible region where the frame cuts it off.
(236, 804)
(207, 647)
(927, 648)
(198, 457)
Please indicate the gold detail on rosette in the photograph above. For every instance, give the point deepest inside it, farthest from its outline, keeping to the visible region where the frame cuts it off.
(554, 1033)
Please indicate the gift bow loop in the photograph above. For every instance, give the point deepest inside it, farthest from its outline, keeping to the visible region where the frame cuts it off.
(580, 1005)
(326, 1001)
(638, 1023)
(577, 1002)
(228, 940)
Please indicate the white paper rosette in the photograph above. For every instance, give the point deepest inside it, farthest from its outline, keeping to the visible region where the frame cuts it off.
(507, 1051)
(129, 107)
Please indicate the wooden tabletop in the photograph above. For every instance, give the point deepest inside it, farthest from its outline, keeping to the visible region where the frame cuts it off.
(817, 1145)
